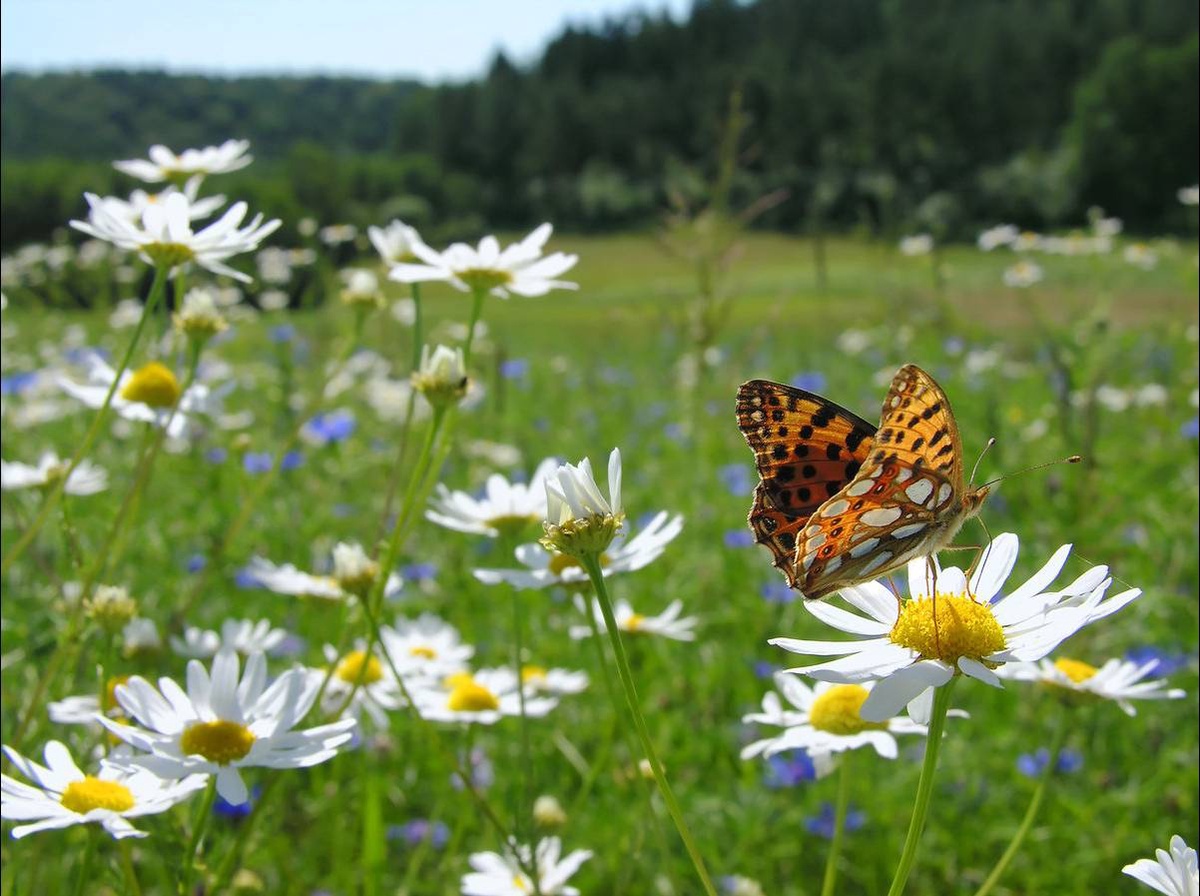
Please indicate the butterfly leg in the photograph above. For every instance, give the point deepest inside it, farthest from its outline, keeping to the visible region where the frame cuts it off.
(931, 572)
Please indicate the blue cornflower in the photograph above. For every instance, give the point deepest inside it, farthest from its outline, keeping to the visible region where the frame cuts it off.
(281, 333)
(239, 811)
(244, 578)
(256, 461)
(514, 369)
(739, 538)
(217, 455)
(778, 593)
(1033, 764)
(823, 822)
(1191, 428)
(196, 562)
(1165, 662)
(788, 769)
(335, 426)
(291, 460)
(735, 478)
(16, 383)
(420, 830)
(764, 669)
(419, 572)
(809, 381)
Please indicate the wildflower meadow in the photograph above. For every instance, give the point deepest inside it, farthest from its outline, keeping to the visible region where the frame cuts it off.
(412, 557)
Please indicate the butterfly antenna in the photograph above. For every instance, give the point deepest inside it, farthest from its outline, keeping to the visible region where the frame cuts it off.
(1073, 459)
(982, 455)
(981, 553)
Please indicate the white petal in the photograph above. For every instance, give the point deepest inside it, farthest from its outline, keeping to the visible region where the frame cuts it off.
(891, 694)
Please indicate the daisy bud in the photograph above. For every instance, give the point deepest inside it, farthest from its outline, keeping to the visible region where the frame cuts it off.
(141, 636)
(580, 521)
(354, 570)
(441, 376)
(362, 290)
(548, 812)
(110, 607)
(199, 318)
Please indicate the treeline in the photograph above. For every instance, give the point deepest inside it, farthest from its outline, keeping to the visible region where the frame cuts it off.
(880, 114)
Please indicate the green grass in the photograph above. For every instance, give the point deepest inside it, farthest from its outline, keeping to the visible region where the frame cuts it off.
(604, 371)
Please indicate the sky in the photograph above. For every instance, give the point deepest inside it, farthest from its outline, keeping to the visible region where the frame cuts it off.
(433, 40)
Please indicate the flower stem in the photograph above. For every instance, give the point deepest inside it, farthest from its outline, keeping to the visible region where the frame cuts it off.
(132, 886)
(1035, 804)
(199, 825)
(477, 297)
(156, 291)
(234, 856)
(418, 329)
(937, 724)
(591, 563)
(85, 862)
(839, 825)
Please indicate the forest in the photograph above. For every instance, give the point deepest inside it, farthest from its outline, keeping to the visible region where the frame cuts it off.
(871, 116)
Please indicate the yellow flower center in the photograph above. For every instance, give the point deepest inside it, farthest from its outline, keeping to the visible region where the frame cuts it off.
(521, 883)
(560, 563)
(837, 711)
(469, 695)
(484, 278)
(92, 793)
(426, 653)
(220, 742)
(963, 627)
(1075, 670)
(534, 674)
(510, 524)
(357, 667)
(153, 384)
(634, 622)
(169, 255)
(109, 700)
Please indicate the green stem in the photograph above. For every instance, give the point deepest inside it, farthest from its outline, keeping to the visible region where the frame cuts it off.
(199, 825)
(234, 856)
(477, 297)
(156, 291)
(85, 862)
(839, 825)
(1035, 804)
(591, 563)
(132, 886)
(418, 328)
(937, 724)
(526, 750)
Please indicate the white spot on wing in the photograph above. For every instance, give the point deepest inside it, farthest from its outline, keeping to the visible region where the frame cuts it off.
(904, 475)
(919, 491)
(910, 529)
(832, 566)
(944, 493)
(864, 548)
(815, 542)
(876, 562)
(807, 561)
(841, 505)
(859, 488)
(881, 516)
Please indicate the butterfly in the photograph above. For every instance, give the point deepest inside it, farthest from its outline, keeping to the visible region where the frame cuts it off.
(842, 502)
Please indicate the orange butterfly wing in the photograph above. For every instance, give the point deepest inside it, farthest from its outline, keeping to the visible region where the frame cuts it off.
(907, 500)
(806, 449)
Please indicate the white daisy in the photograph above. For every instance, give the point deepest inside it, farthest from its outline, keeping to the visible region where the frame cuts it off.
(1173, 873)
(243, 635)
(1141, 255)
(1023, 274)
(63, 795)
(667, 624)
(917, 244)
(150, 394)
(485, 697)
(135, 206)
(504, 507)
(395, 242)
(1117, 680)
(352, 570)
(365, 681)
(494, 874)
(85, 479)
(164, 234)
(977, 628)
(823, 719)
(539, 680)
(427, 646)
(166, 165)
(544, 568)
(221, 725)
(1000, 235)
(81, 709)
(519, 268)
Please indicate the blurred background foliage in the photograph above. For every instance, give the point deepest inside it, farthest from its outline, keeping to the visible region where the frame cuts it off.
(874, 115)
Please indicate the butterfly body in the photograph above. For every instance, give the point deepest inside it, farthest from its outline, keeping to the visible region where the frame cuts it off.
(842, 502)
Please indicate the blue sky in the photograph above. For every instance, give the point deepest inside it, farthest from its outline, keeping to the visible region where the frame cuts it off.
(429, 39)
